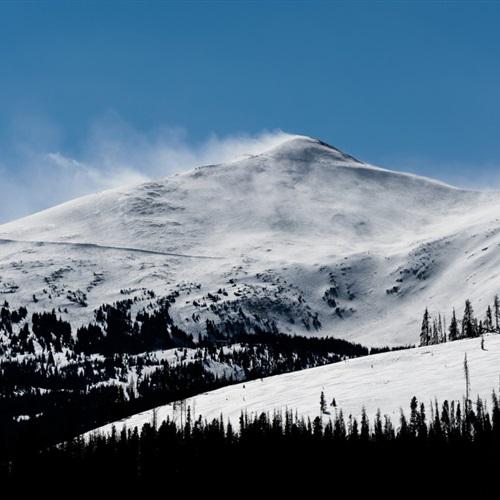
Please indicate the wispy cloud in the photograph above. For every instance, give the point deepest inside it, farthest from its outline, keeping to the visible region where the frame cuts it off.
(481, 176)
(38, 173)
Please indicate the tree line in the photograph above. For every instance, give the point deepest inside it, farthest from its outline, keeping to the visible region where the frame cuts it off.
(54, 385)
(434, 330)
(440, 438)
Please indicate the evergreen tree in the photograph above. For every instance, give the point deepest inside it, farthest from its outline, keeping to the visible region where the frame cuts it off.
(377, 426)
(425, 331)
(353, 429)
(445, 417)
(436, 429)
(496, 310)
(422, 426)
(488, 323)
(495, 416)
(414, 416)
(404, 430)
(317, 428)
(365, 426)
(469, 323)
(435, 333)
(339, 427)
(453, 333)
(442, 329)
(322, 403)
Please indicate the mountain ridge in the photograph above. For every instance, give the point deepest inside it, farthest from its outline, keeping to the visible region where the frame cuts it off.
(280, 150)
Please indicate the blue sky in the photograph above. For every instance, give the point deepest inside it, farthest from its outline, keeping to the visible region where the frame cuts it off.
(100, 86)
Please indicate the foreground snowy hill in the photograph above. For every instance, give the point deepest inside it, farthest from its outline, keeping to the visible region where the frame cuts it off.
(382, 381)
(303, 238)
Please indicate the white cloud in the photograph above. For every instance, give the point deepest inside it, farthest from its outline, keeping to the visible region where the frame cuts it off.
(113, 154)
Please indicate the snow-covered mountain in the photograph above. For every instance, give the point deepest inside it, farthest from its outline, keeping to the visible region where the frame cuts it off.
(302, 235)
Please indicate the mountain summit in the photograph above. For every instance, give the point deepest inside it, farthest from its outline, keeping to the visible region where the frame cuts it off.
(306, 149)
(303, 237)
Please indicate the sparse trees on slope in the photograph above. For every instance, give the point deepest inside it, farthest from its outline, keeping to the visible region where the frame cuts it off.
(434, 330)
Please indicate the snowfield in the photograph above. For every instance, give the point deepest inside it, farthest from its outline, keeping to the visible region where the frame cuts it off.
(302, 236)
(385, 381)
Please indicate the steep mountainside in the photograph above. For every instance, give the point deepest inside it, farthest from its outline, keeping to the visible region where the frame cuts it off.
(302, 238)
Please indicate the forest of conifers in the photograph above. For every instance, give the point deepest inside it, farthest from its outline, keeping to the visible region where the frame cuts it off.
(440, 438)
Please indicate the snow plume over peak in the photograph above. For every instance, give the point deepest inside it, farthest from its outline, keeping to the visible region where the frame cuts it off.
(41, 174)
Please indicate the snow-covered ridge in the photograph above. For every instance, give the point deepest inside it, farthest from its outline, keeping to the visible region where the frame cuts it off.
(303, 235)
(382, 381)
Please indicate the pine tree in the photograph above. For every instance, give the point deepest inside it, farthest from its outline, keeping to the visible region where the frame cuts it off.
(453, 332)
(442, 329)
(469, 324)
(437, 428)
(488, 323)
(354, 433)
(425, 330)
(445, 416)
(422, 427)
(317, 428)
(435, 333)
(365, 426)
(404, 430)
(377, 426)
(339, 427)
(413, 416)
(496, 308)
(322, 403)
(495, 415)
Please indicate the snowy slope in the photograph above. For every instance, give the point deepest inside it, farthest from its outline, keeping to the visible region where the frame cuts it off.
(383, 381)
(302, 235)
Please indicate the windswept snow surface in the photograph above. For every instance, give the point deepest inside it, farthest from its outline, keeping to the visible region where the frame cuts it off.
(383, 381)
(302, 235)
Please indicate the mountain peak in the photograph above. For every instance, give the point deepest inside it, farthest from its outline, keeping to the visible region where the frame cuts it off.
(307, 149)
